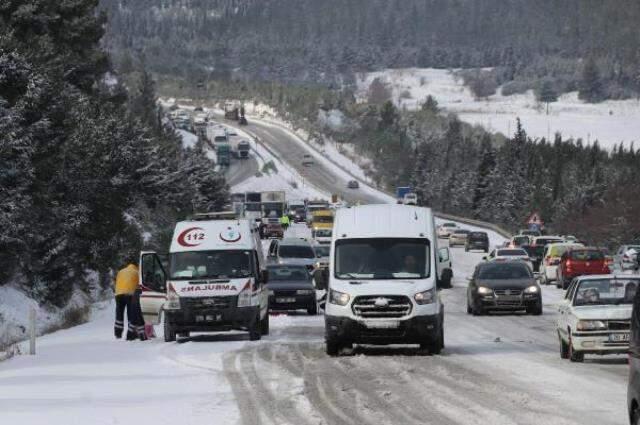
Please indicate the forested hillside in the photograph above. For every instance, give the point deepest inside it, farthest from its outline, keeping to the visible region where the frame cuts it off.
(85, 163)
(329, 40)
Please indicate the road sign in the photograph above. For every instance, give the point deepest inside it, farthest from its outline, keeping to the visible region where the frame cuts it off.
(534, 218)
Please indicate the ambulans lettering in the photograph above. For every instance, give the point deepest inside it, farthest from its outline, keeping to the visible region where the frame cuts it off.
(211, 287)
(193, 236)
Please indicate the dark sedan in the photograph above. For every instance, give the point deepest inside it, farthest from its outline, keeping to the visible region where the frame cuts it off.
(291, 288)
(477, 240)
(503, 286)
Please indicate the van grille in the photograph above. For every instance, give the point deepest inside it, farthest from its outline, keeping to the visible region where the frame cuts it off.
(619, 325)
(381, 306)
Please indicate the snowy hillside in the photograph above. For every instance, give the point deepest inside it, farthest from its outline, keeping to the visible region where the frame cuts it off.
(609, 122)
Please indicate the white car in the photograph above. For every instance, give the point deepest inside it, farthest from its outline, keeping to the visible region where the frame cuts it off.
(509, 254)
(551, 259)
(595, 316)
(410, 199)
(446, 229)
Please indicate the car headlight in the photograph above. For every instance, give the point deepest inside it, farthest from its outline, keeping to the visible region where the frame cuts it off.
(533, 289)
(304, 291)
(338, 298)
(483, 290)
(425, 297)
(591, 325)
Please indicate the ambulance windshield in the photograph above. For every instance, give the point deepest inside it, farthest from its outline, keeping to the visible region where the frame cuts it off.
(211, 264)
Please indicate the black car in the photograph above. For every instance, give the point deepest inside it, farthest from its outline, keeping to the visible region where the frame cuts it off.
(291, 288)
(300, 215)
(503, 286)
(477, 240)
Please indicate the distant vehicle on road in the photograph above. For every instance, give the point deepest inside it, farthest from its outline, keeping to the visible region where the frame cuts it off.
(519, 240)
(401, 192)
(410, 199)
(353, 184)
(477, 240)
(510, 254)
(291, 288)
(459, 237)
(273, 230)
(623, 258)
(528, 232)
(307, 160)
(446, 229)
(580, 262)
(595, 316)
(551, 259)
(292, 251)
(500, 286)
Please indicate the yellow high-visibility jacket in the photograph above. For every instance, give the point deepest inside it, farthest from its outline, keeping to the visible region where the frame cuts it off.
(127, 280)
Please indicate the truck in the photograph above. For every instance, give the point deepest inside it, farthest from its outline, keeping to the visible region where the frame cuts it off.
(384, 275)
(215, 279)
(273, 205)
(401, 191)
(232, 111)
(253, 206)
(243, 149)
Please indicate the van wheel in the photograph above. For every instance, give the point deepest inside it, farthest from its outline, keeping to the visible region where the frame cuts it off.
(564, 348)
(536, 309)
(264, 325)
(254, 330)
(169, 330)
(434, 346)
(469, 309)
(332, 346)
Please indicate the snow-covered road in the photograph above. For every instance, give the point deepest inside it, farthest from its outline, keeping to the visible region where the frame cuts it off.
(501, 369)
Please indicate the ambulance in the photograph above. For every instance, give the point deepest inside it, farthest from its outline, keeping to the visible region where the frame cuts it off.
(215, 279)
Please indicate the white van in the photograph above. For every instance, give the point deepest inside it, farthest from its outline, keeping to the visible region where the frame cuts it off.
(384, 276)
(215, 280)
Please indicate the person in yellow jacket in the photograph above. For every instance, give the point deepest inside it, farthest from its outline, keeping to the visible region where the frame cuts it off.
(127, 293)
(284, 221)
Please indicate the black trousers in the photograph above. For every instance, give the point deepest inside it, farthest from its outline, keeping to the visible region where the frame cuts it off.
(131, 304)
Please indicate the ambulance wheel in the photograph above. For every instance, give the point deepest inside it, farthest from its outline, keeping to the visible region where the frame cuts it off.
(264, 325)
(169, 330)
(254, 330)
(313, 309)
(332, 346)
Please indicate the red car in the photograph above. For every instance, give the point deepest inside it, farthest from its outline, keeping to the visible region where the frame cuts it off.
(578, 262)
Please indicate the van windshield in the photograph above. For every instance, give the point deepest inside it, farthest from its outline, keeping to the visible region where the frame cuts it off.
(229, 264)
(382, 258)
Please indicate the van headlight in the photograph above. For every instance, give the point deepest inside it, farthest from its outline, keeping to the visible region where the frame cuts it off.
(173, 299)
(244, 298)
(425, 297)
(338, 298)
(483, 290)
(591, 325)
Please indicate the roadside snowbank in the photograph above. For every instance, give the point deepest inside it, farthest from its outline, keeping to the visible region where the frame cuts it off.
(609, 122)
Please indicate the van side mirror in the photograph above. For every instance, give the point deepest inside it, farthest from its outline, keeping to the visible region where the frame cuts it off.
(264, 276)
(443, 254)
(485, 258)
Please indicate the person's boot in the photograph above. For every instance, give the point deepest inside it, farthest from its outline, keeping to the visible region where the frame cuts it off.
(118, 333)
(131, 335)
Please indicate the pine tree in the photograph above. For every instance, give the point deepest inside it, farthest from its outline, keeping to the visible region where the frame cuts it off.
(547, 94)
(590, 83)
(485, 168)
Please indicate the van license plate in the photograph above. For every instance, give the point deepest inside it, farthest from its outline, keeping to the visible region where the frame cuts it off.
(285, 300)
(382, 324)
(619, 338)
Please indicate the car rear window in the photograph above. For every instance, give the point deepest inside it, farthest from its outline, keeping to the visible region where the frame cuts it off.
(296, 251)
(546, 241)
(557, 251)
(587, 255)
(478, 235)
(512, 252)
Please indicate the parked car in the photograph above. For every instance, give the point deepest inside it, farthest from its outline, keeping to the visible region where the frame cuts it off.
(353, 184)
(503, 286)
(459, 237)
(272, 230)
(292, 251)
(510, 254)
(595, 316)
(446, 229)
(291, 288)
(633, 386)
(578, 262)
(477, 240)
(551, 259)
(623, 260)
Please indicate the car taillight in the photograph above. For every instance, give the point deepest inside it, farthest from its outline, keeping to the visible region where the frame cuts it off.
(568, 264)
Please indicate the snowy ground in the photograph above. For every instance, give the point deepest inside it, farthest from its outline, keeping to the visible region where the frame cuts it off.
(609, 122)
